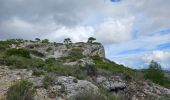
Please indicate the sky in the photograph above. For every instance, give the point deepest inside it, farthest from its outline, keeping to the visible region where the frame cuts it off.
(133, 32)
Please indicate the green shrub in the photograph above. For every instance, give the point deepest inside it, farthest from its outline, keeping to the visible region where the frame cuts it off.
(18, 52)
(75, 80)
(156, 74)
(48, 49)
(50, 61)
(37, 53)
(22, 90)
(88, 95)
(91, 95)
(45, 41)
(7, 43)
(17, 61)
(75, 54)
(2, 48)
(48, 80)
(37, 63)
(105, 64)
(38, 72)
(91, 70)
(22, 62)
(79, 72)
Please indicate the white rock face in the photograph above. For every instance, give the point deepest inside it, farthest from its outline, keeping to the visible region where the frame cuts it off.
(62, 50)
(94, 50)
(146, 90)
(111, 83)
(74, 87)
(7, 77)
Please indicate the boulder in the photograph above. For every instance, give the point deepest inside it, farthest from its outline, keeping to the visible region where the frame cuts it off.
(73, 86)
(113, 83)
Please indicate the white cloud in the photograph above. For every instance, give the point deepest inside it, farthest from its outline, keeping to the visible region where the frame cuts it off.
(76, 34)
(142, 60)
(58, 19)
(114, 30)
(163, 57)
(146, 43)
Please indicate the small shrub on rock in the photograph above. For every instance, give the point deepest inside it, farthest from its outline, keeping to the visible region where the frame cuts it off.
(18, 52)
(48, 49)
(87, 95)
(37, 53)
(22, 90)
(48, 80)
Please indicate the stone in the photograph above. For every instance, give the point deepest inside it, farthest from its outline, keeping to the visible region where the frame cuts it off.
(113, 83)
(73, 88)
(95, 49)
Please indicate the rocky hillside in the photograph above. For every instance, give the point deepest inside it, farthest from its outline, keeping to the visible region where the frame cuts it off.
(57, 50)
(40, 70)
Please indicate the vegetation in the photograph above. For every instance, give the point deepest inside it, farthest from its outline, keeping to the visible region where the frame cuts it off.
(91, 70)
(45, 41)
(37, 39)
(91, 39)
(73, 55)
(21, 58)
(6, 44)
(48, 80)
(37, 53)
(67, 41)
(89, 95)
(18, 52)
(38, 72)
(22, 90)
(156, 74)
(48, 49)
(113, 67)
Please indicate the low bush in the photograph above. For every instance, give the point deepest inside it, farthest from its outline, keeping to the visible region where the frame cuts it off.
(156, 74)
(17, 62)
(22, 62)
(22, 90)
(91, 70)
(75, 54)
(91, 95)
(48, 49)
(112, 66)
(48, 80)
(38, 72)
(18, 52)
(7, 43)
(45, 41)
(37, 53)
(87, 95)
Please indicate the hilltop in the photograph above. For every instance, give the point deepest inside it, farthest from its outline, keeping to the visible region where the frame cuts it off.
(72, 71)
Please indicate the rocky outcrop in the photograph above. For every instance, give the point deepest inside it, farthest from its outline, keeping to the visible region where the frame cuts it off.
(113, 83)
(94, 50)
(64, 87)
(74, 86)
(8, 77)
(61, 50)
(146, 90)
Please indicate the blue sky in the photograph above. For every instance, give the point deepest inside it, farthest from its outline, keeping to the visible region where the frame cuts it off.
(134, 32)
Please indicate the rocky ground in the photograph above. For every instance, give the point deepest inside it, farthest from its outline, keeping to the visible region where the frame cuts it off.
(66, 87)
(106, 78)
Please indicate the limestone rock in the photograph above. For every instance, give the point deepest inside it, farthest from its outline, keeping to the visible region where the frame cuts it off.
(113, 83)
(61, 50)
(145, 90)
(74, 86)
